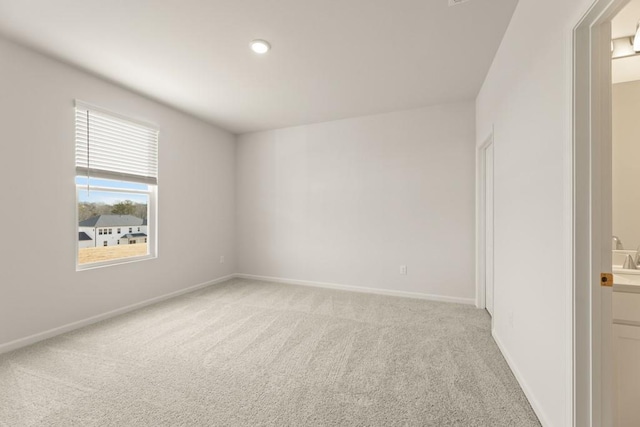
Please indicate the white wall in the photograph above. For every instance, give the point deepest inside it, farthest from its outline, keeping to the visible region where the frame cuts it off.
(626, 156)
(527, 97)
(111, 239)
(39, 287)
(349, 201)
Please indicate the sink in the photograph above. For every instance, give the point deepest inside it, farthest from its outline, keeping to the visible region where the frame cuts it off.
(621, 276)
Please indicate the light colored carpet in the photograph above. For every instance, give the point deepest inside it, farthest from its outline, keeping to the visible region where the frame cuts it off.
(255, 353)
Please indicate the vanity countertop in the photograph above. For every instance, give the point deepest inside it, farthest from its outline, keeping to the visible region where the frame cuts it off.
(626, 283)
(630, 288)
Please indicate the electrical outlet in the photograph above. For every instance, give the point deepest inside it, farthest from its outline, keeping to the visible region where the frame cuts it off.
(222, 259)
(403, 270)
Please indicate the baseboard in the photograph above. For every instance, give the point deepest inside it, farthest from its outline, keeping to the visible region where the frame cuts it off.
(441, 298)
(523, 384)
(32, 339)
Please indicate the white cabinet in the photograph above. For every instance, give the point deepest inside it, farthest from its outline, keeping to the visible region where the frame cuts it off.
(626, 308)
(626, 353)
(626, 344)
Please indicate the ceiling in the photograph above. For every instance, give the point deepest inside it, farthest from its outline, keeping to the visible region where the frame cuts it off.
(624, 24)
(331, 59)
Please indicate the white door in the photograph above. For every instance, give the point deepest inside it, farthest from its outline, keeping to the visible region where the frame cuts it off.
(488, 180)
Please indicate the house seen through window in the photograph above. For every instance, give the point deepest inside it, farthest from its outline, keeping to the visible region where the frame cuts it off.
(116, 181)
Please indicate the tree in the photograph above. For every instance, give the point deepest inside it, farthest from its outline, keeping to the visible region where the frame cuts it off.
(124, 208)
(141, 210)
(86, 211)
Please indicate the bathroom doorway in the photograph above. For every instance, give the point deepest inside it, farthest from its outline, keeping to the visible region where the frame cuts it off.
(605, 393)
(625, 211)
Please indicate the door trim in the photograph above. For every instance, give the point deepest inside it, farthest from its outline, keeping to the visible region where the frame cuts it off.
(592, 334)
(481, 222)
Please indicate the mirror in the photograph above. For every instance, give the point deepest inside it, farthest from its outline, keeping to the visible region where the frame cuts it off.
(626, 174)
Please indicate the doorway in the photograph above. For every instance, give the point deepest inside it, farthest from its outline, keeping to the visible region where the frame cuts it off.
(485, 226)
(488, 197)
(592, 225)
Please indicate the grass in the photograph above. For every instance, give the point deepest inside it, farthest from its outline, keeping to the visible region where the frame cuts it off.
(108, 253)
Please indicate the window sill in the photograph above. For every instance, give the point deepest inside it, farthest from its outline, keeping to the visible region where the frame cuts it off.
(111, 263)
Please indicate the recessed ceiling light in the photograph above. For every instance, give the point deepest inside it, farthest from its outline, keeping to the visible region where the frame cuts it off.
(260, 46)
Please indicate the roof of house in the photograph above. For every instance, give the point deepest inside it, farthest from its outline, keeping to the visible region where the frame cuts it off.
(82, 236)
(111, 221)
(132, 235)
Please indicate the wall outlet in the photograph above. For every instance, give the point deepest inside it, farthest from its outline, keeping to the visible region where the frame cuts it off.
(403, 270)
(222, 259)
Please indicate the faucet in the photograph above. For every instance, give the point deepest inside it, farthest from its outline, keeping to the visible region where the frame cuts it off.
(629, 263)
(616, 243)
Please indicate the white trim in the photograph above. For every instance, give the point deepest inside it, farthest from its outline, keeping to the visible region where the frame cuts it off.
(351, 288)
(110, 263)
(32, 339)
(537, 408)
(481, 249)
(568, 222)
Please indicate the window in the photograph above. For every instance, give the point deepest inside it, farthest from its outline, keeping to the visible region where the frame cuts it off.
(116, 185)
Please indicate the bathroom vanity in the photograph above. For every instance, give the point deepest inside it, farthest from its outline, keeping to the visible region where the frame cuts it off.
(626, 348)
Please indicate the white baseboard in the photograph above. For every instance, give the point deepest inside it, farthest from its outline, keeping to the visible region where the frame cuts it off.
(23, 342)
(470, 301)
(32, 339)
(523, 384)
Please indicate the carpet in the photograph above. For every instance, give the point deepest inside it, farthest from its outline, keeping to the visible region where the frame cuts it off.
(248, 353)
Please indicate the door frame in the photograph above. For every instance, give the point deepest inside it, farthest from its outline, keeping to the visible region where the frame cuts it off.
(592, 317)
(481, 222)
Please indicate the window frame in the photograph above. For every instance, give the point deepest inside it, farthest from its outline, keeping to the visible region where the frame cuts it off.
(147, 176)
(152, 225)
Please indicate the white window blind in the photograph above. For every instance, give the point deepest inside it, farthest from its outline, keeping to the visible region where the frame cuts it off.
(113, 147)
